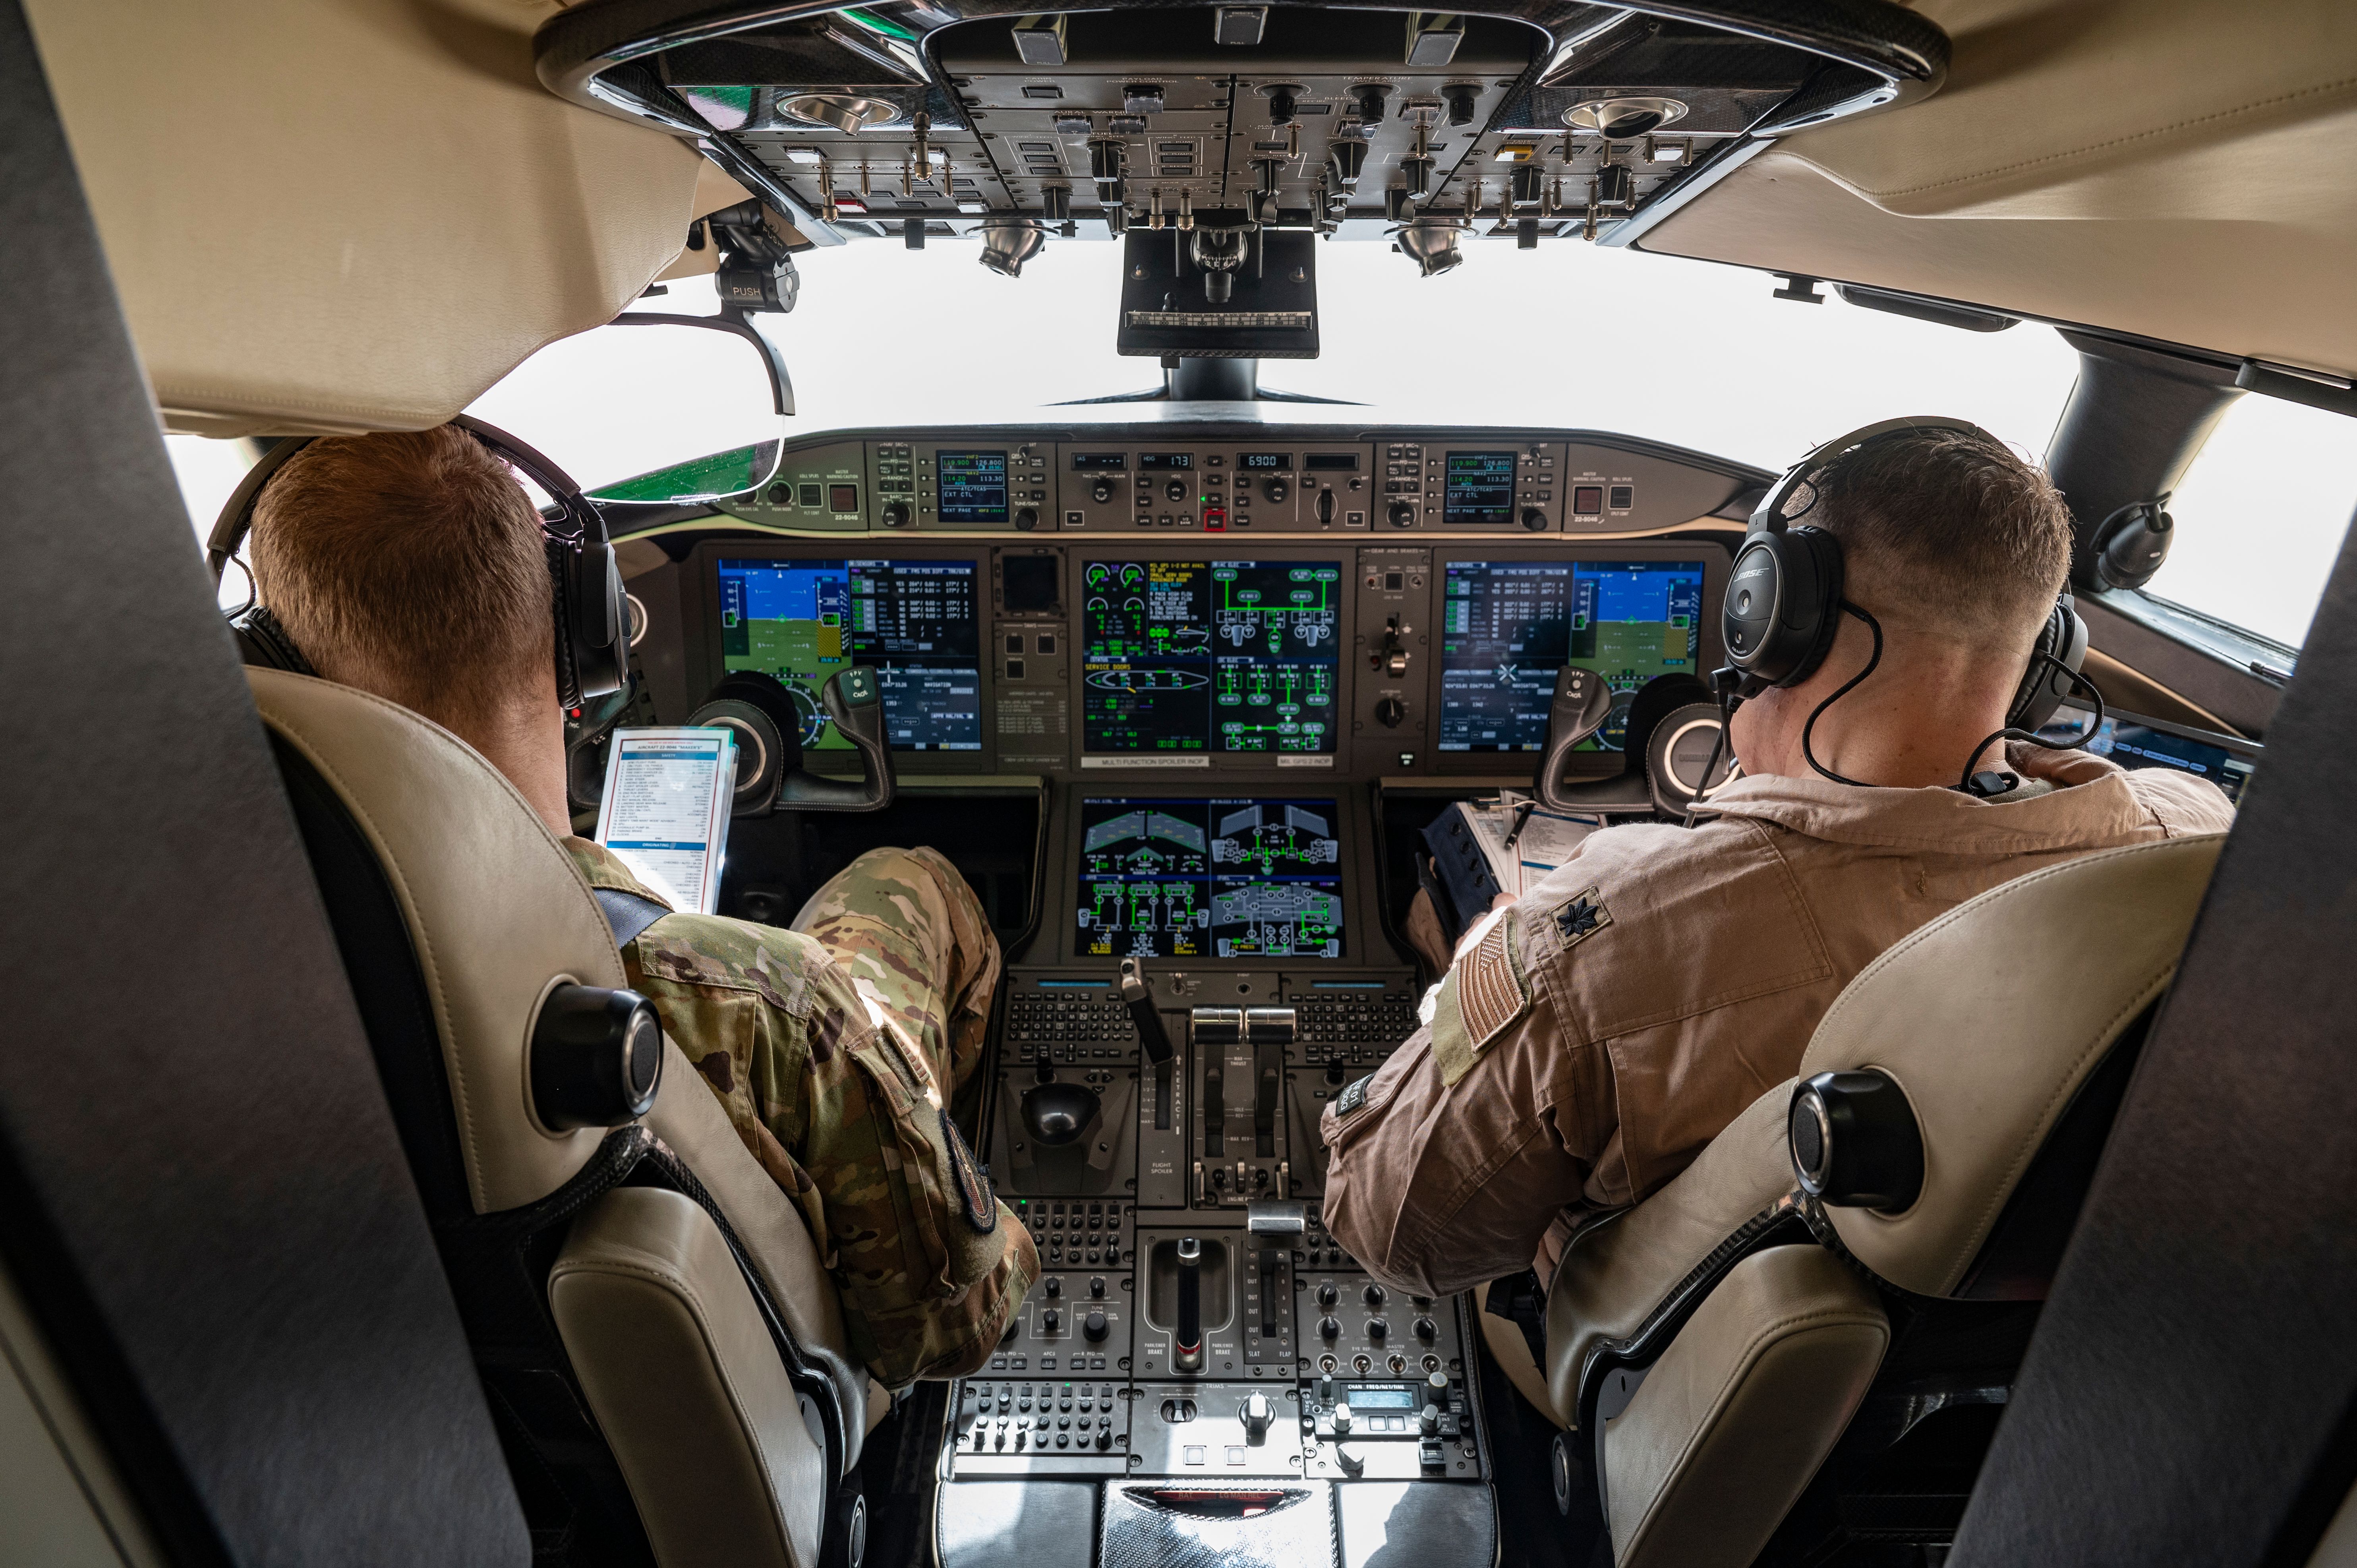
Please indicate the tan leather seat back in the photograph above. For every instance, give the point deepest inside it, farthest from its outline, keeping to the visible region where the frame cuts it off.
(1737, 1415)
(1619, 1272)
(496, 915)
(725, 1461)
(1990, 1018)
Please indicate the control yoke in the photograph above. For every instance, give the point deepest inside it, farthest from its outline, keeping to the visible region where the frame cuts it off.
(765, 716)
(1582, 703)
(853, 699)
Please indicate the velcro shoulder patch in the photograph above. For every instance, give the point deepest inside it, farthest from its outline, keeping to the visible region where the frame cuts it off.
(1485, 992)
(1353, 1096)
(981, 1206)
(1579, 918)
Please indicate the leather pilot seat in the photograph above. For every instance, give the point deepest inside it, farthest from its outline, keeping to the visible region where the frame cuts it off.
(1749, 1370)
(661, 1349)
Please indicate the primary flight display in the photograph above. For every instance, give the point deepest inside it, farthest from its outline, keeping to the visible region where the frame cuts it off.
(913, 622)
(1210, 656)
(1507, 627)
(1219, 878)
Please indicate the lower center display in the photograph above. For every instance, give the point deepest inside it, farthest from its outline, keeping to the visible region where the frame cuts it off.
(1225, 878)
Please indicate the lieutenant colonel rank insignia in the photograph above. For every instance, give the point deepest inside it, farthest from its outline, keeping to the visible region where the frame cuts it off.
(1485, 992)
(1580, 919)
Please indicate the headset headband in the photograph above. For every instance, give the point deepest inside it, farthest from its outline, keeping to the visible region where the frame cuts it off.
(1768, 516)
(577, 522)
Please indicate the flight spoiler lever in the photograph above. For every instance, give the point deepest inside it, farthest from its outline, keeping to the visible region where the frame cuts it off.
(1151, 1035)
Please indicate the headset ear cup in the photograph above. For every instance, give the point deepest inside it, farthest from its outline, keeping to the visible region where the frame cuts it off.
(1813, 621)
(2063, 641)
(586, 590)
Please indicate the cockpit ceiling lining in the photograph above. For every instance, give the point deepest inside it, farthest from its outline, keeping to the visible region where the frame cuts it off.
(2180, 170)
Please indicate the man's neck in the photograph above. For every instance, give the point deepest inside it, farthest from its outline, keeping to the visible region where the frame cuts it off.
(526, 742)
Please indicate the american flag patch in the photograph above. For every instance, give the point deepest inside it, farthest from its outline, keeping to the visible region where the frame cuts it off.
(1485, 992)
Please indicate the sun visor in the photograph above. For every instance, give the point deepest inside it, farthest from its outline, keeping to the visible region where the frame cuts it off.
(341, 215)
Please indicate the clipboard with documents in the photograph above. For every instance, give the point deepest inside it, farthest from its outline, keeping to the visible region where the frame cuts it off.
(664, 809)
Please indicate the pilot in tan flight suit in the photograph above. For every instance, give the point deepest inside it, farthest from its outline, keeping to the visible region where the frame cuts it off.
(411, 566)
(1590, 1039)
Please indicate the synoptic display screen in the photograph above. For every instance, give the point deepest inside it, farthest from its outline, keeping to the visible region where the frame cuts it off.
(1209, 880)
(972, 485)
(1210, 656)
(1478, 488)
(1507, 627)
(911, 621)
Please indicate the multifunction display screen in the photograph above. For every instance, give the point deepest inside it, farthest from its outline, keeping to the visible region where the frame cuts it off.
(1210, 656)
(1507, 627)
(1480, 488)
(972, 485)
(910, 621)
(1209, 880)
(2133, 742)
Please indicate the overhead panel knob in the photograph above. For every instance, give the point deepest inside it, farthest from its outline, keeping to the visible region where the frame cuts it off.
(1426, 1330)
(1373, 1295)
(1389, 712)
(895, 514)
(1093, 1328)
(1329, 1330)
(1026, 518)
(1403, 515)
(1102, 490)
(1257, 1416)
(1378, 1330)
(1328, 1296)
(1534, 519)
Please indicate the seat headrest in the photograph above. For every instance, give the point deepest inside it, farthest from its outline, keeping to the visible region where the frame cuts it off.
(1990, 1018)
(496, 914)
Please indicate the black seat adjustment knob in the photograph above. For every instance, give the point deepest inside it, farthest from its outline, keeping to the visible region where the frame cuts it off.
(1855, 1141)
(596, 1058)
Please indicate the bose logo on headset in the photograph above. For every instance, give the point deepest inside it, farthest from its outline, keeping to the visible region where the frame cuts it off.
(1781, 636)
(584, 584)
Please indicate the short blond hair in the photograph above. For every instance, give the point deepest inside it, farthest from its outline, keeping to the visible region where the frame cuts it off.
(411, 566)
(1948, 531)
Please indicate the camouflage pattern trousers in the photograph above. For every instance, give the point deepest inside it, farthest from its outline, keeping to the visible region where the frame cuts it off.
(913, 937)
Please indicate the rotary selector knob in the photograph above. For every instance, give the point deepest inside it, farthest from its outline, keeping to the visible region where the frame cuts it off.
(1276, 490)
(1096, 1287)
(1403, 515)
(1093, 1328)
(1257, 1417)
(1055, 1287)
(1329, 1330)
(1428, 1420)
(895, 514)
(1377, 1330)
(1101, 491)
(1373, 1295)
(1426, 1330)
(1342, 1419)
(1176, 490)
(1534, 519)
(1389, 712)
(1026, 518)
(1328, 1296)
(1051, 1321)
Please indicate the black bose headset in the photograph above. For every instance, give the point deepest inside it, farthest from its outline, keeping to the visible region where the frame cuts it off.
(586, 585)
(1783, 604)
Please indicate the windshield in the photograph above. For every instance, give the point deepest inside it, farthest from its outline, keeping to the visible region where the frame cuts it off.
(1688, 352)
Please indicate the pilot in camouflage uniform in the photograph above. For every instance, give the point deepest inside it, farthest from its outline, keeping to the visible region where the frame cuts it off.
(835, 1046)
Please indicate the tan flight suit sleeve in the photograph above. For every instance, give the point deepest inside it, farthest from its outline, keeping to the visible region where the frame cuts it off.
(1442, 1176)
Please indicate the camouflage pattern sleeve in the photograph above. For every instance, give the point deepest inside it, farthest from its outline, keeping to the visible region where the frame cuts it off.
(844, 1117)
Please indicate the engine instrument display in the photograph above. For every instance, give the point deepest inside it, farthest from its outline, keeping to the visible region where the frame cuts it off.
(1508, 626)
(972, 485)
(911, 621)
(1210, 656)
(1223, 878)
(1478, 488)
